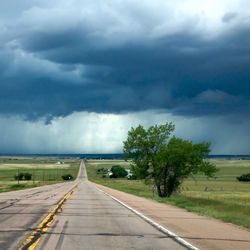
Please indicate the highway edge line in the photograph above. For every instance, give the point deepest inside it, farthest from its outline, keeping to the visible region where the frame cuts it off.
(34, 238)
(159, 227)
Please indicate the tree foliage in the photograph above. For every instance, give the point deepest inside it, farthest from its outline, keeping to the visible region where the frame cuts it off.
(167, 161)
(244, 177)
(23, 176)
(67, 177)
(118, 172)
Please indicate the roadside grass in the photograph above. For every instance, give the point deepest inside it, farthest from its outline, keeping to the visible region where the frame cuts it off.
(223, 198)
(44, 171)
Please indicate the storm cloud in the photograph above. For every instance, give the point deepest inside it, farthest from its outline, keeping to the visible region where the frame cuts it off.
(115, 57)
(190, 59)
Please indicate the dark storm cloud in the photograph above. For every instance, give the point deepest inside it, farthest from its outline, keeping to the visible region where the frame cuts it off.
(56, 62)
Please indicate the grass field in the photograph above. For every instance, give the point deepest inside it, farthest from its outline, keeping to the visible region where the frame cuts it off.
(44, 171)
(223, 198)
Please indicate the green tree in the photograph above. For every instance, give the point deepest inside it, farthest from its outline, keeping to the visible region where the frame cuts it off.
(118, 172)
(167, 161)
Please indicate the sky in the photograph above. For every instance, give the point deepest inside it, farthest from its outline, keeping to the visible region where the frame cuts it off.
(75, 75)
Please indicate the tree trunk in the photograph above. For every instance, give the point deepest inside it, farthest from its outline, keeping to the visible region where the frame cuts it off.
(159, 189)
(173, 183)
(166, 184)
(165, 187)
(161, 183)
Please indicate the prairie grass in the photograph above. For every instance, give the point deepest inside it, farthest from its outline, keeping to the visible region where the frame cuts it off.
(44, 171)
(223, 198)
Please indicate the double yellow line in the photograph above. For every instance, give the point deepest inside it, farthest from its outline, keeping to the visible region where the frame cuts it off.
(33, 239)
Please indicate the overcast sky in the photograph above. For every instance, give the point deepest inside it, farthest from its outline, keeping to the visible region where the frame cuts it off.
(75, 75)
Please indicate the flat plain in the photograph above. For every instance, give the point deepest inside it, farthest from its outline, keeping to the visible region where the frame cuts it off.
(44, 170)
(223, 197)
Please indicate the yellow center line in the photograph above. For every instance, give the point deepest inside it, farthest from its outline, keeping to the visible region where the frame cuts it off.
(33, 239)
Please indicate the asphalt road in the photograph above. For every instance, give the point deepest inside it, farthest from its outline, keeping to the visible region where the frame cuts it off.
(20, 211)
(87, 220)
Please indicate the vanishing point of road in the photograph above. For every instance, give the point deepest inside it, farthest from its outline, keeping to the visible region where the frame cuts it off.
(79, 216)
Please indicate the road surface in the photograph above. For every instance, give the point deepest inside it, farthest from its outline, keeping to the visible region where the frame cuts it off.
(87, 219)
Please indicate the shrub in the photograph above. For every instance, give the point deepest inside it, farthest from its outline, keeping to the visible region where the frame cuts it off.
(67, 177)
(118, 172)
(244, 177)
(132, 177)
(18, 176)
(23, 176)
(102, 171)
(27, 176)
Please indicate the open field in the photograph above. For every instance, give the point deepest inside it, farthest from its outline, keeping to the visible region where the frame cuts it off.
(44, 170)
(223, 197)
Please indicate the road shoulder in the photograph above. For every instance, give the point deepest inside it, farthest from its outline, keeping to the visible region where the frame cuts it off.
(201, 231)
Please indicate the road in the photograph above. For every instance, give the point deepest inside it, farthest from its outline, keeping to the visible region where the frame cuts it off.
(88, 219)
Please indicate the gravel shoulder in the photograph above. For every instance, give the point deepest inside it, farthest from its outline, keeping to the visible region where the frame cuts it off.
(201, 231)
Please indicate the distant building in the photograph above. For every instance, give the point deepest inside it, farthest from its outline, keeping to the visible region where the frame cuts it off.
(60, 162)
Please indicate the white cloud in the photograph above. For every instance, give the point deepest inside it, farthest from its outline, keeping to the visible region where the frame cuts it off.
(118, 22)
(104, 133)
